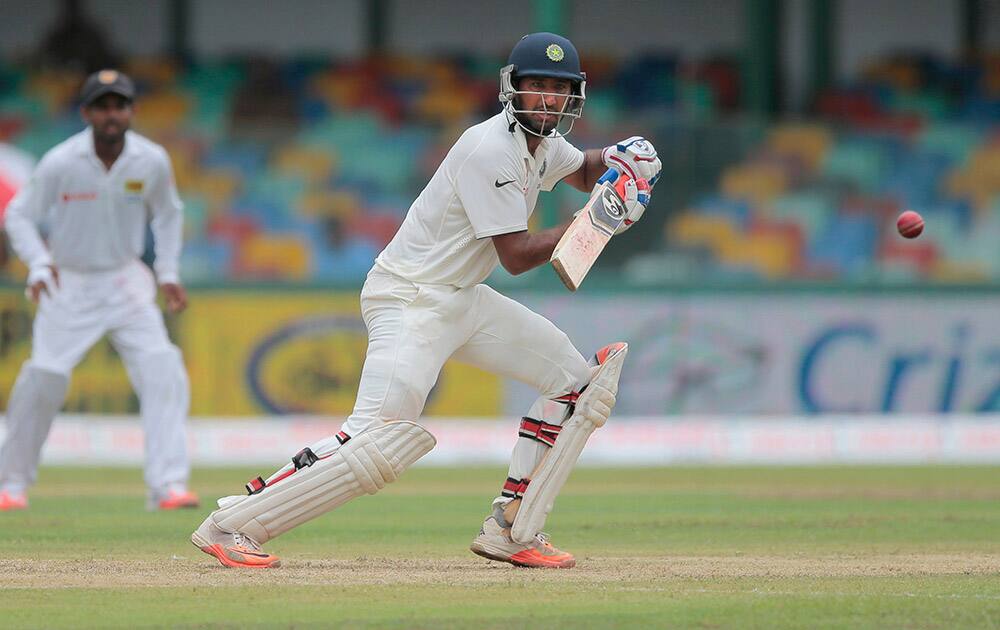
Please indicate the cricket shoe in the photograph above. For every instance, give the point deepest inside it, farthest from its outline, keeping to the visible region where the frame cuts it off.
(494, 542)
(10, 501)
(232, 549)
(173, 500)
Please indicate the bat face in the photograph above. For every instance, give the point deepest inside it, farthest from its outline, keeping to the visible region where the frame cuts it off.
(585, 238)
(610, 212)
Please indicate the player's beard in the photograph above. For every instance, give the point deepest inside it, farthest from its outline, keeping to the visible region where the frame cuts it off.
(556, 117)
(543, 129)
(111, 134)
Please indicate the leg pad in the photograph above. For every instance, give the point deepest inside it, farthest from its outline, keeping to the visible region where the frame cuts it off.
(363, 465)
(592, 410)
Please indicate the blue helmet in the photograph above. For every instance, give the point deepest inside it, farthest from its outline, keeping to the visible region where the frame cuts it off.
(544, 55)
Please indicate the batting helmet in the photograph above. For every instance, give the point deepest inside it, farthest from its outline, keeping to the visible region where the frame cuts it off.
(544, 55)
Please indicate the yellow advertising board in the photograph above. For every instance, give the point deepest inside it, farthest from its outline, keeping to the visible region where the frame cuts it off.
(251, 353)
(99, 384)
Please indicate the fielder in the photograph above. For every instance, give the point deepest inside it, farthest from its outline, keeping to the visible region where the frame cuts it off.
(94, 194)
(424, 302)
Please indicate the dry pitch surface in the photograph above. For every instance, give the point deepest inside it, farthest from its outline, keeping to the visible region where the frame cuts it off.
(198, 570)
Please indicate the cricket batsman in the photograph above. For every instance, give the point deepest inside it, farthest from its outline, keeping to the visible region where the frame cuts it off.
(94, 194)
(424, 302)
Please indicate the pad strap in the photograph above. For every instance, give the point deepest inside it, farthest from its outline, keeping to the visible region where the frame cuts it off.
(515, 488)
(568, 399)
(539, 430)
(256, 485)
(303, 459)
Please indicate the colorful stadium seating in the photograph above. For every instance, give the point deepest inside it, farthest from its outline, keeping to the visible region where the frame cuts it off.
(316, 196)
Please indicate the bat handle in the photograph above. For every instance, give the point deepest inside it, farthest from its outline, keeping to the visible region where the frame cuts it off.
(610, 175)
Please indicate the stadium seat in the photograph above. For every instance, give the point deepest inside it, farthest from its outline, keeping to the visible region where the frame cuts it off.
(272, 257)
(811, 199)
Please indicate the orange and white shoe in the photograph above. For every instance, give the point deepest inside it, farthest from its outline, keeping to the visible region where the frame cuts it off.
(10, 501)
(173, 500)
(494, 542)
(232, 549)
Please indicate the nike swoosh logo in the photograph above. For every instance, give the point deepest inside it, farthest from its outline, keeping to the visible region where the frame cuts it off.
(500, 184)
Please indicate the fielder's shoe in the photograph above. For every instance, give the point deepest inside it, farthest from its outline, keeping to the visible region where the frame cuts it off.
(10, 501)
(232, 549)
(173, 500)
(494, 542)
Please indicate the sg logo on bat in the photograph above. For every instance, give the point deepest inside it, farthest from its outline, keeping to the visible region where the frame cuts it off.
(609, 214)
(613, 204)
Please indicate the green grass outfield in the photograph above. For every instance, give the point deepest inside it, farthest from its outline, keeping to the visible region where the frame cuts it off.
(915, 547)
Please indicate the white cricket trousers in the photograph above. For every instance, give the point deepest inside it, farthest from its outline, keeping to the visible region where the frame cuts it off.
(414, 328)
(85, 307)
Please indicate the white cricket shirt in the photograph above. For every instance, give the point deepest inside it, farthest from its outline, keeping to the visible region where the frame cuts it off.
(96, 218)
(487, 185)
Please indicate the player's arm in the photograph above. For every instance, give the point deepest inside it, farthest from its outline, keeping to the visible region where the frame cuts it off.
(491, 188)
(585, 177)
(167, 225)
(21, 220)
(635, 157)
(523, 251)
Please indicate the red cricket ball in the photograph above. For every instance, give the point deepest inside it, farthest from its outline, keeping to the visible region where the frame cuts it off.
(910, 224)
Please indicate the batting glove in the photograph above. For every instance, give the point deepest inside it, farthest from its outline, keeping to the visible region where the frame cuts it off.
(635, 157)
(635, 192)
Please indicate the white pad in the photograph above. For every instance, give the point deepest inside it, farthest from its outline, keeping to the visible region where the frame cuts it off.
(363, 464)
(34, 402)
(592, 411)
(528, 452)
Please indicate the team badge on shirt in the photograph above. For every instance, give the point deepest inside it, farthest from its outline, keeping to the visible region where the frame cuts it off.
(134, 186)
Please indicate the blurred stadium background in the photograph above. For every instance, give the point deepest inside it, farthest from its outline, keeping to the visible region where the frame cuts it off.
(774, 313)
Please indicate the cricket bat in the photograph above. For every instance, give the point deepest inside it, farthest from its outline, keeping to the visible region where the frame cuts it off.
(590, 231)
